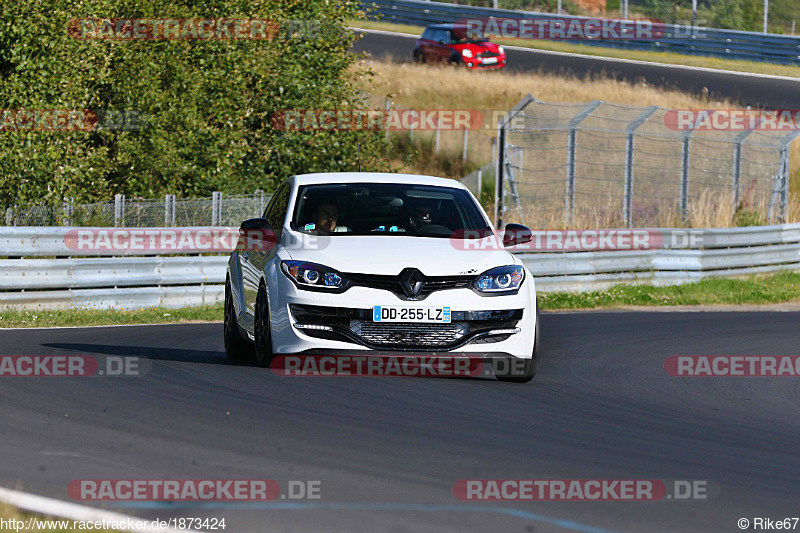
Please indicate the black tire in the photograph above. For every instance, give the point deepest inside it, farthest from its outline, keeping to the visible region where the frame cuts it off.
(236, 347)
(261, 329)
(419, 56)
(456, 61)
(519, 370)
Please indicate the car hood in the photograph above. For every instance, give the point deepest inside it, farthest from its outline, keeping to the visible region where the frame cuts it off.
(477, 48)
(388, 255)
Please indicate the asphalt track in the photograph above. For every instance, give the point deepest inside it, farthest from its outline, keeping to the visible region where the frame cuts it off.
(388, 451)
(752, 90)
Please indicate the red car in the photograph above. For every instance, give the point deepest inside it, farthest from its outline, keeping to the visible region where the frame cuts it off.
(446, 43)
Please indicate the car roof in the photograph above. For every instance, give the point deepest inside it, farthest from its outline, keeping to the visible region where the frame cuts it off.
(375, 177)
(441, 26)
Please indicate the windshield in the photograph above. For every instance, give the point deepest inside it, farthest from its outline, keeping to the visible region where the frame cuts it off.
(462, 35)
(388, 209)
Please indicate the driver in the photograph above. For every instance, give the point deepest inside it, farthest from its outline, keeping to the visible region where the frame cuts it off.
(325, 214)
(420, 214)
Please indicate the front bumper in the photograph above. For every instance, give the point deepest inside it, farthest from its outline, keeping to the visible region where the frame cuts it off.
(356, 326)
(304, 321)
(474, 64)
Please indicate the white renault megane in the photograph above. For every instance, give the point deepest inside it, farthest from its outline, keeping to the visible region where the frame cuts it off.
(368, 263)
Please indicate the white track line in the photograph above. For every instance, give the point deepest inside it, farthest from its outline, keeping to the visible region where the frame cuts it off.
(114, 325)
(72, 511)
(613, 59)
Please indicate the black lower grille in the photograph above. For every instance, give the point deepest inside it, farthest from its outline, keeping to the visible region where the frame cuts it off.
(356, 326)
(428, 335)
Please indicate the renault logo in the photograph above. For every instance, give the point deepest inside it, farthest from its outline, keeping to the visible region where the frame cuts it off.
(412, 281)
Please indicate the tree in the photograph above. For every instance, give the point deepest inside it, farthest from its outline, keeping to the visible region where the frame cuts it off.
(728, 14)
(207, 103)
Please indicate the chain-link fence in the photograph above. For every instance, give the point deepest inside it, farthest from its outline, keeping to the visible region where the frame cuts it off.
(606, 165)
(474, 181)
(218, 210)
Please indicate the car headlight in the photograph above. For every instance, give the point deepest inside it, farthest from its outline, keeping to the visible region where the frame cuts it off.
(501, 50)
(312, 275)
(500, 279)
(466, 52)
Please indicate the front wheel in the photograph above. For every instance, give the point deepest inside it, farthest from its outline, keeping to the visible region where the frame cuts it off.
(236, 347)
(262, 334)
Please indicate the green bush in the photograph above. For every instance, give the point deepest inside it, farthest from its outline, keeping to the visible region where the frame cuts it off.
(207, 102)
(747, 217)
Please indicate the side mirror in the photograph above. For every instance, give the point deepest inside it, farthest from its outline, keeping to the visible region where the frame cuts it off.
(255, 223)
(443, 42)
(516, 234)
(256, 234)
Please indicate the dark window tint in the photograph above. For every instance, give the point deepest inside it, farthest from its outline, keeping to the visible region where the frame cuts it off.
(390, 209)
(275, 213)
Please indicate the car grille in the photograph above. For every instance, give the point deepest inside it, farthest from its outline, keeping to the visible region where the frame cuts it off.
(392, 283)
(488, 54)
(424, 335)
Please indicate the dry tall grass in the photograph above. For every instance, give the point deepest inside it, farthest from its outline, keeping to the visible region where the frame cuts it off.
(430, 87)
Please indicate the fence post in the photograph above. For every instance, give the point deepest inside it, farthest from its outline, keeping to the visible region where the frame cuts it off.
(498, 175)
(569, 200)
(464, 145)
(413, 114)
(685, 174)
(10, 217)
(260, 196)
(501, 156)
(387, 104)
(737, 167)
(436, 136)
(480, 182)
(627, 207)
(783, 168)
(69, 209)
(215, 208)
(169, 210)
(119, 210)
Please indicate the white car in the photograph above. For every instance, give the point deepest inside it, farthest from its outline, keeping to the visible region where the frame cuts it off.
(366, 263)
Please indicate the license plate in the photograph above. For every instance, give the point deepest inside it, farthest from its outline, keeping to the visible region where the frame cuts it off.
(490, 61)
(399, 313)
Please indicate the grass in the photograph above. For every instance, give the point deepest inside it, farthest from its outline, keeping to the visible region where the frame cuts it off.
(10, 318)
(759, 290)
(640, 55)
(414, 86)
(435, 87)
(8, 512)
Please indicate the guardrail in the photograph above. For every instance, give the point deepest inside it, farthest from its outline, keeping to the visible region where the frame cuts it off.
(76, 279)
(703, 41)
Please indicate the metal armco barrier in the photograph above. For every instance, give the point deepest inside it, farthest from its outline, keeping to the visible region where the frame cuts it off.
(712, 42)
(124, 298)
(187, 279)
